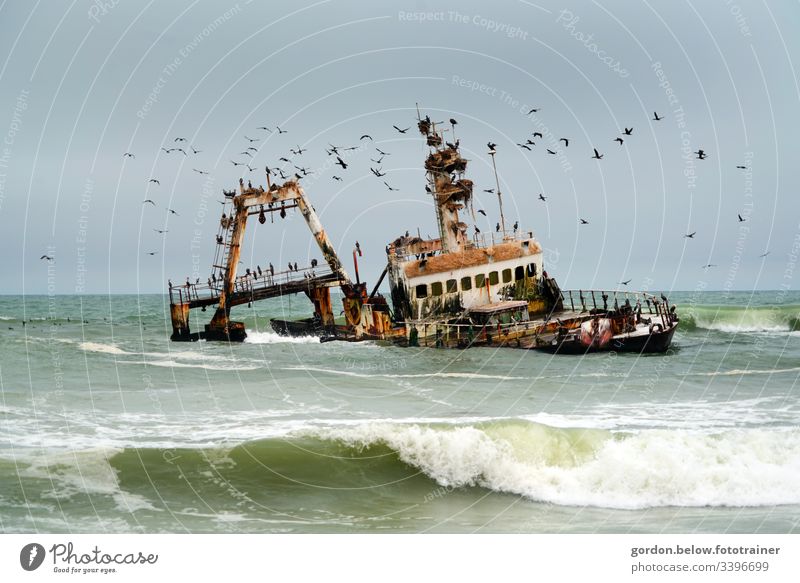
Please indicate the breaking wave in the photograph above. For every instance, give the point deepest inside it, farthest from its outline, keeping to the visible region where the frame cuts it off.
(732, 319)
(559, 465)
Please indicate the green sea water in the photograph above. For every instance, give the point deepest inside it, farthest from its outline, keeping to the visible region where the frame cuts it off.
(107, 426)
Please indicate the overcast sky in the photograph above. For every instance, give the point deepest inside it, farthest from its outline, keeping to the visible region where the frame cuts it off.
(81, 83)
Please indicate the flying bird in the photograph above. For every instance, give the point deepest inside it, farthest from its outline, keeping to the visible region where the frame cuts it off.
(708, 265)
(628, 131)
(526, 146)
(549, 151)
(401, 131)
(690, 235)
(365, 136)
(181, 150)
(47, 257)
(597, 155)
(280, 131)
(489, 190)
(533, 110)
(584, 222)
(128, 155)
(173, 212)
(199, 171)
(282, 159)
(246, 153)
(656, 118)
(765, 254)
(180, 139)
(389, 187)
(620, 140)
(542, 197)
(377, 172)
(378, 161)
(566, 142)
(742, 167)
(251, 140)
(151, 252)
(625, 282)
(150, 201)
(741, 220)
(154, 181)
(336, 178)
(701, 155)
(194, 151)
(483, 212)
(341, 163)
(237, 163)
(162, 231)
(538, 135)
(382, 153)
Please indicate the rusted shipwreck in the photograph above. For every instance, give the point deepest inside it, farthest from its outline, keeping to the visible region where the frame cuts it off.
(457, 290)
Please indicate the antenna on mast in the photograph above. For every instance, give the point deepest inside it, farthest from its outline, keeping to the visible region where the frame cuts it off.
(499, 196)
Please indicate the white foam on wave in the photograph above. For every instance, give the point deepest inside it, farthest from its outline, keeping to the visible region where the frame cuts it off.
(599, 468)
(85, 472)
(274, 338)
(102, 348)
(454, 375)
(740, 372)
(233, 366)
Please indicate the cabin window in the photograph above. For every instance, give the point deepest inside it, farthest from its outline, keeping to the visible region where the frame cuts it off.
(452, 286)
(531, 270)
(506, 275)
(494, 278)
(519, 273)
(480, 281)
(436, 288)
(422, 290)
(466, 283)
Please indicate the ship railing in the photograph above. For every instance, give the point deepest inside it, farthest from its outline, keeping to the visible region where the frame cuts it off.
(484, 240)
(244, 284)
(592, 299)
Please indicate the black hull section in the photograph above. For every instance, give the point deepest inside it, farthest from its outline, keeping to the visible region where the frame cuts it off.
(657, 341)
(305, 327)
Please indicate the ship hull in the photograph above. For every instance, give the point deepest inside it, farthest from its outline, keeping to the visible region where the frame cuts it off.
(655, 341)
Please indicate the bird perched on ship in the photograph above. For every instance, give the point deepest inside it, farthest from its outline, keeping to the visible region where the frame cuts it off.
(497, 228)
(482, 212)
(401, 131)
(128, 155)
(453, 121)
(453, 146)
(341, 163)
(597, 155)
(701, 155)
(477, 230)
(620, 140)
(516, 226)
(491, 146)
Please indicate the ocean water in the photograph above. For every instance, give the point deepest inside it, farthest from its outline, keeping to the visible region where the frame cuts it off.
(107, 426)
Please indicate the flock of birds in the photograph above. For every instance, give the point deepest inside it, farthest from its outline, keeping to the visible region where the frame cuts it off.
(289, 168)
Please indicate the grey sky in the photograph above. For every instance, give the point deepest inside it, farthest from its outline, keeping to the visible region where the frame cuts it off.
(83, 82)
